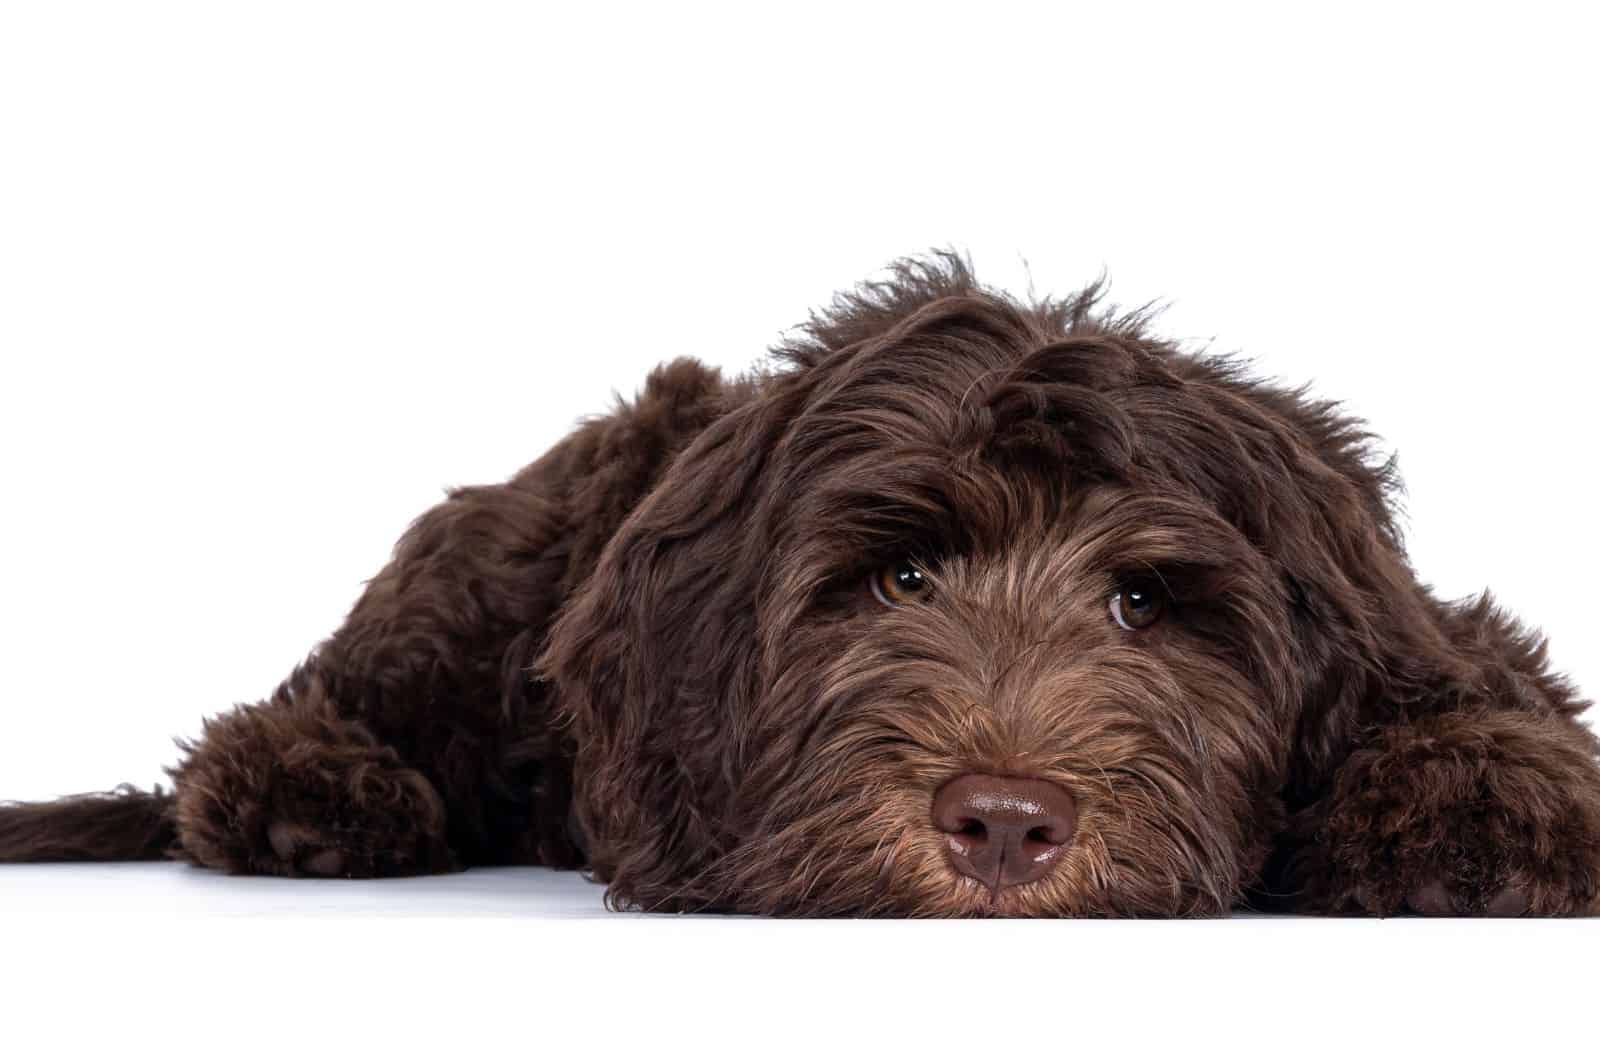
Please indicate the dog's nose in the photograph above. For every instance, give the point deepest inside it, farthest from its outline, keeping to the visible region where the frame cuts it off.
(1004, 831)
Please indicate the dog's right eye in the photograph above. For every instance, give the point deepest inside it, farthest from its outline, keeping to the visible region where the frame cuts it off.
(899, 583)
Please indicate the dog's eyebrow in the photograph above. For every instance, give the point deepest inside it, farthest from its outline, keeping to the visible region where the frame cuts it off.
(1159, 531)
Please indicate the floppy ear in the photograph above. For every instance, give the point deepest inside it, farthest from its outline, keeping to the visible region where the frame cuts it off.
(654, 655)
(1300, 479)
(657, 654)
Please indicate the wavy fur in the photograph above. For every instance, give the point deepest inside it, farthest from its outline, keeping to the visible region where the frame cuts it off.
(658, 638)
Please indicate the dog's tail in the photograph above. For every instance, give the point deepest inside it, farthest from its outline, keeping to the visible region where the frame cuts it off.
(121, 825)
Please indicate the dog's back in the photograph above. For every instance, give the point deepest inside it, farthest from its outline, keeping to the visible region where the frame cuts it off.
(423, 705)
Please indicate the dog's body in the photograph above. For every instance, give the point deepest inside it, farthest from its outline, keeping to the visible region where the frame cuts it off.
(967, 606)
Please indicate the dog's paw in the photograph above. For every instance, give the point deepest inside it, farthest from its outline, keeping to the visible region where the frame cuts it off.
(362, 822)
(1436, 898)
(305, 850)
(281, 794)
(1466, 815)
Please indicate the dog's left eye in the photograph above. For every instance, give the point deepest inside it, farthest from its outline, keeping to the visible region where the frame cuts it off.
(899, 583)
(1138, 604)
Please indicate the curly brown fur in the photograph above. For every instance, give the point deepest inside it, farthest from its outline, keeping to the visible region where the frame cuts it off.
(658, 640)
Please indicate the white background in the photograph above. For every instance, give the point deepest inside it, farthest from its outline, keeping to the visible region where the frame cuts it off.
(272, 276)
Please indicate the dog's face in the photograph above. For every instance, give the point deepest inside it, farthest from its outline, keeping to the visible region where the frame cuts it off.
(986, 609)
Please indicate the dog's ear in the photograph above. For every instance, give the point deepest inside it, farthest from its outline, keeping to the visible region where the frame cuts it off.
(1303, 482)
(655, 653)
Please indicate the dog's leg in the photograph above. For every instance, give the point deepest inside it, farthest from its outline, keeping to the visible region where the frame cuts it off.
(1467, 812)
(415, 734)
(417, 738)
(1481, 799)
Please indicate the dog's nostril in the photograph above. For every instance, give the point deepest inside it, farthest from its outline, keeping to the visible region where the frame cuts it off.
(1004, 830)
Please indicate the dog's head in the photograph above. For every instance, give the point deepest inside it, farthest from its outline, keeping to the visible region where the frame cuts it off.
(977, 606)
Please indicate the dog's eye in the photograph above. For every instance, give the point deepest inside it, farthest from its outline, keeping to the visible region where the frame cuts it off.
(1138, 604)
(899, 583)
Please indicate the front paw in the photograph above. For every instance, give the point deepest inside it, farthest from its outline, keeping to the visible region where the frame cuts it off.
(335, 818)
(1437, 898)
(1467, 814)
(279, 793)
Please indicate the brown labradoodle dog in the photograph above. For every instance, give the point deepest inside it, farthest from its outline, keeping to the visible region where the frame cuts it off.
(965, 605)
